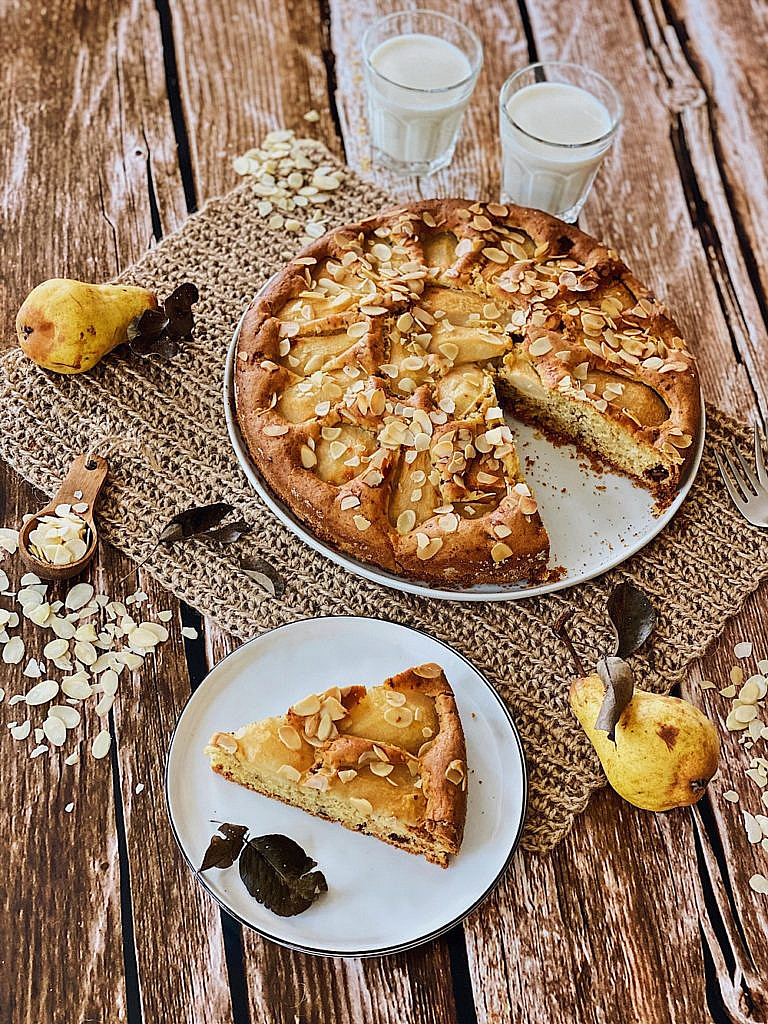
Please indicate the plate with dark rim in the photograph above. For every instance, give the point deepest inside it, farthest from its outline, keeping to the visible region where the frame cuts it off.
(595, 518)
(380, 899)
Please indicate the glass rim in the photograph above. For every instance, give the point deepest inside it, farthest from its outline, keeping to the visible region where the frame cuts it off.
(476, 64)
(616, 118)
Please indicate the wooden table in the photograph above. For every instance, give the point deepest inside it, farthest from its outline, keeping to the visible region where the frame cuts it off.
(119, 119)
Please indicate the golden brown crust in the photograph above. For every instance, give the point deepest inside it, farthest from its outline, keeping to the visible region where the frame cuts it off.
(526, 287)
(434, 772)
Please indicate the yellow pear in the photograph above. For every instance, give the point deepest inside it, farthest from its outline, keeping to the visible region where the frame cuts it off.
(67, 326)
(666, 750)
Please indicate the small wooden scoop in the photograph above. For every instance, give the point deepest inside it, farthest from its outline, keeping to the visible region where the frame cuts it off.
(86, 476)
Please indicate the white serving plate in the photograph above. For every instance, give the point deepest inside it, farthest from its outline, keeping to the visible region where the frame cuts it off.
(380, 899)
(595, 519)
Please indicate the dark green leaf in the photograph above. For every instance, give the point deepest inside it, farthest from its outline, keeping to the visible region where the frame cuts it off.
(149, 326)
(160, 331)
(633, 618)
(277, 873)
(267, 577)
(229, 532)
(178, 308)
(194, 522)
(616, 676)
(224, 849)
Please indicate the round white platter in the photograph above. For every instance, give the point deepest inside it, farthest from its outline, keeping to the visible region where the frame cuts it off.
(595, 518)
(380, 900)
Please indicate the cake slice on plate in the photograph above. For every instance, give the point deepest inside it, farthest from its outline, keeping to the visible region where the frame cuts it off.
(389, 761)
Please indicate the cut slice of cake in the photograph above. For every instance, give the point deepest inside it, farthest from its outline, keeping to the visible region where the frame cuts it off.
(389, 761)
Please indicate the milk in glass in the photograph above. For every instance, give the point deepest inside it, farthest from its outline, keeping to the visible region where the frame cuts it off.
(554, 136)
(418, 88)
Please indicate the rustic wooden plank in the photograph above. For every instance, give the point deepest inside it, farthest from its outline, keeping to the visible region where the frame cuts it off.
(89, 172)
(258, 66)
(60, 897)
(736, 926)
(603, 930)
(82, 130)
(704, 140)
(726, 45)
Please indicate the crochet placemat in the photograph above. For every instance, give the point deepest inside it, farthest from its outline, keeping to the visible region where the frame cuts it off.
(162, 426)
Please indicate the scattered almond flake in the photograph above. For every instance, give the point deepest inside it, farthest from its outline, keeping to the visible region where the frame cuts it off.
(69, 716)
(39, 735)
(752, 827)
(78, 596)
(759, 883)
(21, 732)
(55, 649)
(141, 637)
(737, 675)
(13, 651)
(40, 749)
(2, 694)
(165, 616)
(72, 758)
(105, 704)
(101, 744)
(743, 649)
(109, 682)
(69, 808)
(728, 691)
(40, 615)
(731, 796)
(63, 628)
(42, 693)
(55, 731)
(9, 540)
(707, 684)
(77, 687)
(139, 787)
(189, 632)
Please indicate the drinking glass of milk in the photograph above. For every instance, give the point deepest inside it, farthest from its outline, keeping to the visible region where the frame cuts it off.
(557, 123)
(420, 71)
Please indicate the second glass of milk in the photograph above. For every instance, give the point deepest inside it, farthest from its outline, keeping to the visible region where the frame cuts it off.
(557, 122)
(420, 71)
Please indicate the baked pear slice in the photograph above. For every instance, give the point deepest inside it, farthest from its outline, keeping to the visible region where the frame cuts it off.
(389, 761)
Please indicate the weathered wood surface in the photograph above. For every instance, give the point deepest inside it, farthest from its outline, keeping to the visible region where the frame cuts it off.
(633, 917)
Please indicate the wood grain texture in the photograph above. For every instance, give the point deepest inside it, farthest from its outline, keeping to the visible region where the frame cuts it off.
(60, 883)
(259, 66)
(89, 175)
(604, 930)
(82, 131)
(726, 46)
(630, 917)
(735, 923)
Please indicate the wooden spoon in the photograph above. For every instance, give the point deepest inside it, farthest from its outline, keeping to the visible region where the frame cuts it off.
(86, 476)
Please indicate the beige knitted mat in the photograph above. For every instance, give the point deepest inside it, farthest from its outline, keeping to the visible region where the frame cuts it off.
(173, 452)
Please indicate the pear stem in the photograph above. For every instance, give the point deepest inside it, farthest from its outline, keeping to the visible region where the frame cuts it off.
(560, 631)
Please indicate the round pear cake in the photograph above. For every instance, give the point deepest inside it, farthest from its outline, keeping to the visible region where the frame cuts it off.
(374, 372)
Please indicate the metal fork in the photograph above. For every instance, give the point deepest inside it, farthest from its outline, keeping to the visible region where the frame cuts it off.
(748, 492)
